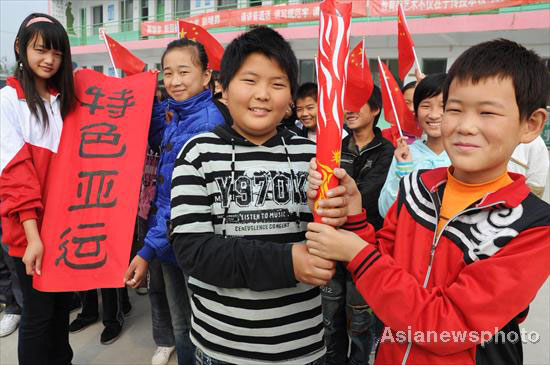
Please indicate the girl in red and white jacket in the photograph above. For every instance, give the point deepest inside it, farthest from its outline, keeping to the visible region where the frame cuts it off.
(33, 105)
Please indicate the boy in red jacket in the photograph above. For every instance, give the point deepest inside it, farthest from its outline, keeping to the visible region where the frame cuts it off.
(464, 249)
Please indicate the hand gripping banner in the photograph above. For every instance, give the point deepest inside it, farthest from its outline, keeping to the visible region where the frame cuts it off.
(332, 59)
(93, 183)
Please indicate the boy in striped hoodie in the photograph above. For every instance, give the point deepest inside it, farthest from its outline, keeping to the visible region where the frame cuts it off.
(240, 213)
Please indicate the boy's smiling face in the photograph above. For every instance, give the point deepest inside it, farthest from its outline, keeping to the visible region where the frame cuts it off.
(363, 119)
(258, 97)
(306, 111)
(481, 128)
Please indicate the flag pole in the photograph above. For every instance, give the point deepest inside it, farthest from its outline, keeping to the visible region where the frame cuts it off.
(416, 60)
(110, 55)
(316, 69)
(390, 96)
(363, 54)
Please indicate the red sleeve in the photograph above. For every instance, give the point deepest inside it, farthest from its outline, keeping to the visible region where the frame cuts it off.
(384, 238)
(20, 192)
(359, 225)
(483, 297)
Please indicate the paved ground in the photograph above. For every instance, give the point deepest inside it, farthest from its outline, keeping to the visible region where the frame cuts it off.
(136, 347)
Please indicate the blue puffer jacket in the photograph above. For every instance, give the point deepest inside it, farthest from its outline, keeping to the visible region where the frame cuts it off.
(193, 116)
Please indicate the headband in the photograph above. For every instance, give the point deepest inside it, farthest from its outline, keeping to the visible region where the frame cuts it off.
(38, 19)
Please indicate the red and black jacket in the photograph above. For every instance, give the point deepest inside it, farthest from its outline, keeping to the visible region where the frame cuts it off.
(474, 278)
(26, 149)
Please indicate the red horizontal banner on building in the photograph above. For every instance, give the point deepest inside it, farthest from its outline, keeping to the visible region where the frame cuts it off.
(426, 7)
(277, 14)
(94, 183)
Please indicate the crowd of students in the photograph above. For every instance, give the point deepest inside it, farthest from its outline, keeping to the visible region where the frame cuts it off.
(434, 234)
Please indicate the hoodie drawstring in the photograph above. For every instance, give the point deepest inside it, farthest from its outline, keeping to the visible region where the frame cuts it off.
(292, 178)
(229, 193)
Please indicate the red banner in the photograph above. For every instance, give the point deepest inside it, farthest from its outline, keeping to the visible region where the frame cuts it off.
(277, 14)
(426, 7)
(94, 183)
(334, 42)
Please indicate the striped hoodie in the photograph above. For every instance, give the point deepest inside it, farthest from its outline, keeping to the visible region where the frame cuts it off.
(237, 208)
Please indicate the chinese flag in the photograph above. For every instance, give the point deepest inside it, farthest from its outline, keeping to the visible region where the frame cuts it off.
(398, 113)
(391, 134)
(405, 44)
(213, 48)
(124, 59)
(359, 83)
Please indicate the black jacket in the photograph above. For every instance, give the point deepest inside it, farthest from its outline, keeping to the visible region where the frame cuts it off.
(369, 168)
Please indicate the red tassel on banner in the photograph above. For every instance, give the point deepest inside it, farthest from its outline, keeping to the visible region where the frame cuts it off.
(334, 41)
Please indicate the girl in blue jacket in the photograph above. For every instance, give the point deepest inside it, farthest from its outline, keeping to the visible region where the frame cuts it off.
(422, 154)
(190, 110)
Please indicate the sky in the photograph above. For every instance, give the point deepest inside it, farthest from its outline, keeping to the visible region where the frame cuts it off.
(12, 13)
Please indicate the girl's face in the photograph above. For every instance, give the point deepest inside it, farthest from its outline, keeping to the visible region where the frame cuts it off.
(183, 78)
(430, 115)
(43, 62)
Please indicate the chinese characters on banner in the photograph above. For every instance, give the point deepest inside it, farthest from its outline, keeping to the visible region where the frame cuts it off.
(426, 7)
(334, 42)
(279, 14)
(94, 183)
(282, 14)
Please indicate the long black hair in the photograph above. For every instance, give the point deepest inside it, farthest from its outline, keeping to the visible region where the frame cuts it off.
(55, 37)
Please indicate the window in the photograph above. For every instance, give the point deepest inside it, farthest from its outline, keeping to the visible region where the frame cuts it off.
(434, 65)
(227, 4)
(182, 8)
(97, 18)
(144, 10)
(110, 12)
(98, 68)
(127, 15)
(307, 71)
(255, 3)
(83, 25)
(160, 11)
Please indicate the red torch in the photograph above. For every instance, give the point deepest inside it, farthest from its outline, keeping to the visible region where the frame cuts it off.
(332, 60)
